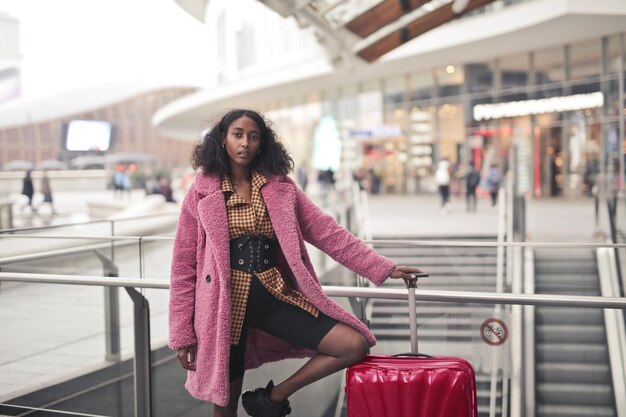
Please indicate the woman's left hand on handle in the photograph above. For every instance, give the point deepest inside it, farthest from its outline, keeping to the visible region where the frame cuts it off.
(405, 272)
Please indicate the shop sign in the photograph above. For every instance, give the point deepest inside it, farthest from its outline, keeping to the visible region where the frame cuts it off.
(381, 132)
(544, 105)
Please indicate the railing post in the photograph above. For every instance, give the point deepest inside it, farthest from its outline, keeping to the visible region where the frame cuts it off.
(142, 368)
(111, 311)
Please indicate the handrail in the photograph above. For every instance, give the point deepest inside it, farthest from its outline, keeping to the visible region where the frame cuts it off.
(529, 335)
(616, 340)
(58, 226)
(339, 291)
(142, 348)
(377, 242)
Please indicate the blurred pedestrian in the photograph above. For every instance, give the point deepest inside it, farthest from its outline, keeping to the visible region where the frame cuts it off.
(493, 180)
(472, 179)
(442, 177)
(28, 189)
(243, 290)
(303, 175)
(46, 190)
(165, 189)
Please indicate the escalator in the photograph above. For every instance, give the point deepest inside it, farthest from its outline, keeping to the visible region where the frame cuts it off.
(442, 326)
(573, 375)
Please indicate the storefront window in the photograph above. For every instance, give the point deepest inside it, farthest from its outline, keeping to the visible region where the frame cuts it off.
(514, 77)
(449, 80)
(614, 65)
(451, 131)
(381, 135)
(421, 86)
(583, 151)
(347, 119)
(585, 60)
(370, 103)
(395, 92)
(585, 65)
(420, 144)
(549, 72)
(479, 77)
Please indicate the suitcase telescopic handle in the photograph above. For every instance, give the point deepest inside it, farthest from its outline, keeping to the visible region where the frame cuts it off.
(413, 355)
(411, 284)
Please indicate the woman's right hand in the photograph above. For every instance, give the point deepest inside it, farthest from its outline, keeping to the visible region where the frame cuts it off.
(187, 357)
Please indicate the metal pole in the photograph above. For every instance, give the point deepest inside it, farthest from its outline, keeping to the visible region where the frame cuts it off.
(413, 315)
(143, 370)
(111, 311)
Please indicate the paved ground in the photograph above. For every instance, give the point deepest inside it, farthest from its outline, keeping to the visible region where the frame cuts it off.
(50, 333)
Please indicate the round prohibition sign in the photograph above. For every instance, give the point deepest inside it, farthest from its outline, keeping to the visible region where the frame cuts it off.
(494, 332)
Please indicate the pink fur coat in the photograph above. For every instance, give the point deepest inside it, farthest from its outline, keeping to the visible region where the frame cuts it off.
(200, 305)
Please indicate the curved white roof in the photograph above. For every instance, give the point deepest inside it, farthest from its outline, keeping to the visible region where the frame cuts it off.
(20, 112)
(523, 27)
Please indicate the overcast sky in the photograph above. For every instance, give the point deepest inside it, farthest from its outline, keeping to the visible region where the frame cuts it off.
(70, 44)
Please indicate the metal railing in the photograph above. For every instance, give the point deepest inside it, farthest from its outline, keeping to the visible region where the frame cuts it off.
(143, 399)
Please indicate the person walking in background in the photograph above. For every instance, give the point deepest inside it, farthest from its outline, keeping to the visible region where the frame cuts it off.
(243, 290)
(28, 189)
(442, 177)
(493, 180)
(165, 189)
(472, 179)
(46, 190)
(303, 175)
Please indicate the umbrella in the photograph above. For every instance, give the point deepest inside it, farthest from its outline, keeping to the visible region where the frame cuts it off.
(51, 164)
(119, 158)
(83, 161)
(18, 165)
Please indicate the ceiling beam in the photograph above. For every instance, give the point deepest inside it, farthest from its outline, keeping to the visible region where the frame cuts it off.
(381, 15)
(414, 29)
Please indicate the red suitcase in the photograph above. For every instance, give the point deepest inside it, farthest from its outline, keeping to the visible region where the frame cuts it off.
(411, 385)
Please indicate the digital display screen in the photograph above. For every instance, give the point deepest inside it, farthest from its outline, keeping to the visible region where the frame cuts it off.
(88, 135)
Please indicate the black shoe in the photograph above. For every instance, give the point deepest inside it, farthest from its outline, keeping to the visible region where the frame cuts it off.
(257, 403)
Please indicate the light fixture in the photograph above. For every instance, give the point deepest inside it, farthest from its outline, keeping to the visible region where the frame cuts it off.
(459, 5)
(450, 69)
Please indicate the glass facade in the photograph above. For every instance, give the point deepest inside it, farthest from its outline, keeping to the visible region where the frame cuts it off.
(562, 109)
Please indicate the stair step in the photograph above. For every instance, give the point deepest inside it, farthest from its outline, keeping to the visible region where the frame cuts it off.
(569, 333)
(567, 315)
(584, 373)
(438, 251)
(568, 410)
(444, 260)
(557, 289)
(423, 334)
(572, 393)
(427, 310)
(573, 266)
(454, 270)
(565, 352)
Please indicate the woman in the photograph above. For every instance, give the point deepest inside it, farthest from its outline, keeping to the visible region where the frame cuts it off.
(243, 289)
(28, 189)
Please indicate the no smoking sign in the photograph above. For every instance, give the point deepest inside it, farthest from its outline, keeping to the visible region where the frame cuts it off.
(494, 332)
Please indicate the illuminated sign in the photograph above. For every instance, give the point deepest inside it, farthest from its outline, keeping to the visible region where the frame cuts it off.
(381, 132)
(543, 105)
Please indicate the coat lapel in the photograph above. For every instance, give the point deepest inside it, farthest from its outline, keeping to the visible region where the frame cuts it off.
(214, 218)
(280, 199)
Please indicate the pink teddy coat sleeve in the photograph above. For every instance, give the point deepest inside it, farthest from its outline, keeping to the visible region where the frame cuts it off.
(200, 279)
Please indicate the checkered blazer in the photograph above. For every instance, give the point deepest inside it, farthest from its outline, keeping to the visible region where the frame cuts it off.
(250, 218)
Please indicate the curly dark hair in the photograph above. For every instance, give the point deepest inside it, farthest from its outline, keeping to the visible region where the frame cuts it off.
(209, 154)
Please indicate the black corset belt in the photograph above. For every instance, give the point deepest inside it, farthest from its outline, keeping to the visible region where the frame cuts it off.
(252, 253)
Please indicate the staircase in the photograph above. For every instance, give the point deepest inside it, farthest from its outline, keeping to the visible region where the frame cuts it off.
(440, 325)
(573, 377)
